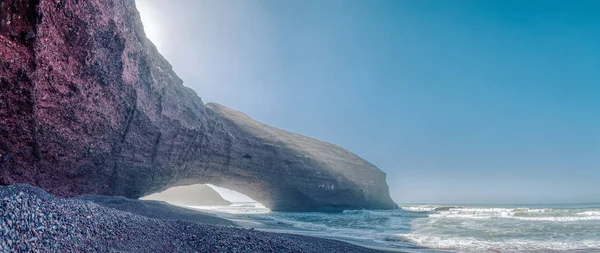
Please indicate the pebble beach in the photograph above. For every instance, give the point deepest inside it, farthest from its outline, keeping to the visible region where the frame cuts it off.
(32, 220)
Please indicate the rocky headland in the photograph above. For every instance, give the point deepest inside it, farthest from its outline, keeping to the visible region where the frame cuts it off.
(89, 106)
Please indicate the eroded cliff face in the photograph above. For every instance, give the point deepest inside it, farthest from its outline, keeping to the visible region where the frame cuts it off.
(89, 106)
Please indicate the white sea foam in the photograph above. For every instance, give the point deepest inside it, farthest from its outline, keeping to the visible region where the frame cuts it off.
(590, 213)
(460, 228)
(421, 208)
(471, 244)
(474, 213)
(558, 219)
(517, 213)
(503, 229)
(236, 208)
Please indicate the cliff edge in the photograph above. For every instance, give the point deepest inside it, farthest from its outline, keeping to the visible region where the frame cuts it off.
(89, 106)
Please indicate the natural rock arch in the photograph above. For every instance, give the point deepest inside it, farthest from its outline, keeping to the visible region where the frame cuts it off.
(88, 105)
(190, 195)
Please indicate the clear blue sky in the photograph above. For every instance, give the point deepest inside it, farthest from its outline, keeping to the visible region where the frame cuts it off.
(457, 101)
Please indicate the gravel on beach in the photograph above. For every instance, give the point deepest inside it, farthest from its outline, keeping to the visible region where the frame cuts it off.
(32, 220)
(157, 209)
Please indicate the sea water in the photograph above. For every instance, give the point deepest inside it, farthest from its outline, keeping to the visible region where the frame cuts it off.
(473, 228)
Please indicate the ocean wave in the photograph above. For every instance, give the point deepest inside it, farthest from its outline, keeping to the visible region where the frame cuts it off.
(463, 244)
(236, 208)
(559, 219)
(301, 224)
(590, 213)
(369, 212)
(532, 214)
(249, 204)
(460, 228)
(422, 208)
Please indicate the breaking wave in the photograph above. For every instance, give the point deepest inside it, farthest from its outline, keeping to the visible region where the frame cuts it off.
(507, 229)
(419, 228)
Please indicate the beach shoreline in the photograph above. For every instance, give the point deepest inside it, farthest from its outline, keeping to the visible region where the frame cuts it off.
(164, 210)
(437, 228)
(38, 221)
(245, 221)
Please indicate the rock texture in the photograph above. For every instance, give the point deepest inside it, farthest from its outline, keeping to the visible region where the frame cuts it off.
(89, 106)
(191, 195)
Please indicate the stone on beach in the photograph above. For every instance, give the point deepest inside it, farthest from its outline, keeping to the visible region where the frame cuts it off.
(41, 222)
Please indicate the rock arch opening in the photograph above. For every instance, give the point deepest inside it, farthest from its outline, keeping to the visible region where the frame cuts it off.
(209, 197)
(231, 195)
(190, 195)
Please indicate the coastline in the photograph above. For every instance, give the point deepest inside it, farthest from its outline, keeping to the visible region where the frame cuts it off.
(439, 228)
(163, 210)
(246, 222)
(416, 249)
(38, 221)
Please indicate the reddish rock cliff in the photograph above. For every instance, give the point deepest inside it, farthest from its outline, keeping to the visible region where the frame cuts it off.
(88, 105)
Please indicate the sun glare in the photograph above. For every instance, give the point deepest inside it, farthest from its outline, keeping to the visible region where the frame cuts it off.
(148, 15)
(231, 195)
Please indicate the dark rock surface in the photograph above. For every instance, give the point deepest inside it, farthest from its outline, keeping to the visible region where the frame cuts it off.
(190, 195)
(89, 106)
(33, 221)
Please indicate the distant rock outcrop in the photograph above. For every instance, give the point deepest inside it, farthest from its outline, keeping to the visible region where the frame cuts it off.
(191, 195)
(89, 106)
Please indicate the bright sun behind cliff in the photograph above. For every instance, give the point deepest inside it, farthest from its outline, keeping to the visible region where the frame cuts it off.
(200, 195)
(209, 198)
(152, 28)
(232, 195)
